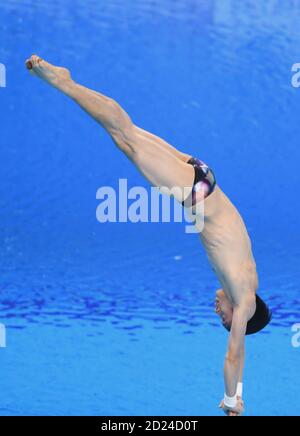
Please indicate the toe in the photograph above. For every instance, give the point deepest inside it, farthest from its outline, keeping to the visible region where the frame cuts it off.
(29, 64)
(35, 60)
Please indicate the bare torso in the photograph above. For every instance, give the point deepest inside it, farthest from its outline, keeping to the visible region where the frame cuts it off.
(228, 247)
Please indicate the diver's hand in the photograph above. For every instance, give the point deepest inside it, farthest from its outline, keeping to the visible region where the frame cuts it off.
(238, 410)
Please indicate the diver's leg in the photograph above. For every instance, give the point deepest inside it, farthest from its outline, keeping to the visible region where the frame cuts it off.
(158, 141)
(160, 166)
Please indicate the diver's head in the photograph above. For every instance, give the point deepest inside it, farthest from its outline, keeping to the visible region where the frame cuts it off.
(258, 322)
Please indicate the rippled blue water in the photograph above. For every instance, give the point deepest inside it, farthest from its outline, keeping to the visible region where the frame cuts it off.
(118, 318)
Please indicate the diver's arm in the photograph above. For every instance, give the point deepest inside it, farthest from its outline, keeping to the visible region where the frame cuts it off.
(242, 366)
(234, 361)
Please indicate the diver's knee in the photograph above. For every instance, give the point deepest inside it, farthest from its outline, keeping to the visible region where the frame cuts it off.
(126, 145)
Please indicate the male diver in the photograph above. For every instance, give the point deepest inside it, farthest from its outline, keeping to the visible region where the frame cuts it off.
(224, 235)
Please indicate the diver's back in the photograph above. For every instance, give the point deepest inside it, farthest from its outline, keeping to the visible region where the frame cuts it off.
(226, 241)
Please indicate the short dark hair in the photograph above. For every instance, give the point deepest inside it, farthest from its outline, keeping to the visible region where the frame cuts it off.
(261, 318)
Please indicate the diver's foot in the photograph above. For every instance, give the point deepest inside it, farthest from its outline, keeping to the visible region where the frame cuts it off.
(56, 76)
